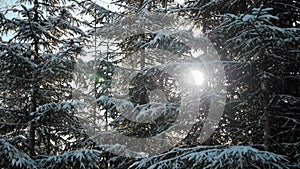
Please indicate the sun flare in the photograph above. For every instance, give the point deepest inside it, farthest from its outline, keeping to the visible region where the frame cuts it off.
(198, 77)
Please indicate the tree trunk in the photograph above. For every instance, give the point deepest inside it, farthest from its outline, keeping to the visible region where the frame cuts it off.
(33, 106)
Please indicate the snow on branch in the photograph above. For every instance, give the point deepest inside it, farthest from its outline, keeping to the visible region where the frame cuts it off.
(11, 157)
(210, 157)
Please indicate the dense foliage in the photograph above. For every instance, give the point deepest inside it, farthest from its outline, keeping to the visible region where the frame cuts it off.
(44, 43)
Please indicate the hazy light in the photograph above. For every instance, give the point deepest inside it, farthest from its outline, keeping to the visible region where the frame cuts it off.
(180, 1)
(198, 77)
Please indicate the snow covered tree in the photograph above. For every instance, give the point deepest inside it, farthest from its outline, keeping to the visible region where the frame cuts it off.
(258, 44)
(210, 157)
(37, 58)
(14, 158)
(259, 62)
(94, 70)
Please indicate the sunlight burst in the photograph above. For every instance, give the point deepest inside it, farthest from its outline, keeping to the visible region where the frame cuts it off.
(198, 77)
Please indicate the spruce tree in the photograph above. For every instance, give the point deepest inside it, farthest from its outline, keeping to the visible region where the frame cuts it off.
(43, 40)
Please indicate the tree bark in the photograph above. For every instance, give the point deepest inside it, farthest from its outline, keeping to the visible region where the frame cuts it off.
(33, 106)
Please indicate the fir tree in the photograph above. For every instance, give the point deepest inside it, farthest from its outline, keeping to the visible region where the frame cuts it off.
(37, 61)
